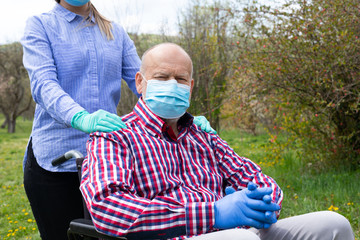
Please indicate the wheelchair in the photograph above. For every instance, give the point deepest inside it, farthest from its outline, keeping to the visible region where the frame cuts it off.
(83, 228)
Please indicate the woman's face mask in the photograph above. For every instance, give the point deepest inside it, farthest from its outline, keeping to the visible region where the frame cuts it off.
(167, 99)
(77, 3)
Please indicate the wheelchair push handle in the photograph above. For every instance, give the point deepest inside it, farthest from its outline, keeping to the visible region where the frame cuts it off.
(68, 155)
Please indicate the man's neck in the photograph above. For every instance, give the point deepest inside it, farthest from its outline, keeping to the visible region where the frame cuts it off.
(173, 124)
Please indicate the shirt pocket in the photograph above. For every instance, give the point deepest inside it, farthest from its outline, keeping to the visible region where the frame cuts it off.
(111, 57)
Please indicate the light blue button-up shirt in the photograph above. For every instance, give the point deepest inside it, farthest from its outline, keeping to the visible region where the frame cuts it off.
(72, 67)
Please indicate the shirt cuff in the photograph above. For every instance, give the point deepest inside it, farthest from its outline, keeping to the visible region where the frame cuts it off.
(70, 114)
(200, 217)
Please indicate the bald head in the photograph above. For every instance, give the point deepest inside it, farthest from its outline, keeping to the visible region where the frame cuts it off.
(166, 52)
(164, 62)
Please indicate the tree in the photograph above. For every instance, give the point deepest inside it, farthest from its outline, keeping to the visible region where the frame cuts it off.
(204, 33)
(15, 97)
(305, 55)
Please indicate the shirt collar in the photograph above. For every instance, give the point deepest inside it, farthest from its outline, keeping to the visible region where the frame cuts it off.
(153, 123)
(68, 15)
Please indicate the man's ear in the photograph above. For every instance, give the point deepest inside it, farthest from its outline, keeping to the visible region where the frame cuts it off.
(191, 87)
(138, 82)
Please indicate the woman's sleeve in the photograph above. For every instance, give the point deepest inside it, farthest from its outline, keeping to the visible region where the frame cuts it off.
(39, 62)
(130, 62)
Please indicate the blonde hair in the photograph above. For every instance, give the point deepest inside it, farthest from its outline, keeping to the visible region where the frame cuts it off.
(104, 24)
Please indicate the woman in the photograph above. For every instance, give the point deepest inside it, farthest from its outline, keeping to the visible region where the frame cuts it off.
(76, 59)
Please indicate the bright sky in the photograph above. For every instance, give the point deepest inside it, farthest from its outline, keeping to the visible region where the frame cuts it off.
(144, 16)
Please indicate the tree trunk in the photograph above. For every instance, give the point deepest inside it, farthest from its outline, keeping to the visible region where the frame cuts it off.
(5, 123)
(11, 126)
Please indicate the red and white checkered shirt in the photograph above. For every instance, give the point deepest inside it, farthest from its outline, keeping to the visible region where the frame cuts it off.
(144, 181)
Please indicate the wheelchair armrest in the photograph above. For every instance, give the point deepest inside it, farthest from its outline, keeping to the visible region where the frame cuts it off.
(86, 227)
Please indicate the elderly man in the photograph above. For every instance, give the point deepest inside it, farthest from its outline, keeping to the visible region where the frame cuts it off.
(164, 177)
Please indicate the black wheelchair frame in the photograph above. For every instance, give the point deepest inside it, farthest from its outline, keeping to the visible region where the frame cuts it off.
(82, 228)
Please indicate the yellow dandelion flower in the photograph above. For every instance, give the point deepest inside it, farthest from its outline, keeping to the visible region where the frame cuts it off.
(16, 222)
(26, 214)
(333, 208)
(29, 220)
(33, 229)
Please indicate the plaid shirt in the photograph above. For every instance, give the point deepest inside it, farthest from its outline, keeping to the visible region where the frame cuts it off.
(145, 180)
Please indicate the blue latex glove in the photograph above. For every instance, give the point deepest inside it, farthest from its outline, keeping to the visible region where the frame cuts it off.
(245, 208)
(270, 215)
(267, 199)
(100, 120)
(204, 124)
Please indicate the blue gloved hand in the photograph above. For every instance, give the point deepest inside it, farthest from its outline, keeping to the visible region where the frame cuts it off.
(229, 190)
(245, 208)
(100, 120)
(204, 124)
(270, 215)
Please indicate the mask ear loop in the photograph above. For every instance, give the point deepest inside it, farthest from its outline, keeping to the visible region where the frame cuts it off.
(142, 75)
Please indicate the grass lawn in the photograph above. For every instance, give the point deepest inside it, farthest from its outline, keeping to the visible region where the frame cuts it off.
(16, 221)
(303, 191)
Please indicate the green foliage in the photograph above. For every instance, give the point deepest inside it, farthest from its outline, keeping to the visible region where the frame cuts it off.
(304, 192)
(305, 56)
(204, 35)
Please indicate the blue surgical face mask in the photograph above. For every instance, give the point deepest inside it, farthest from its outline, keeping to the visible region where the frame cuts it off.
(167, 99)
(77, 3)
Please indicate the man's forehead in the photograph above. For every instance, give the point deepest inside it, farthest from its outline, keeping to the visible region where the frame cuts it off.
(170, 71)
(167, 64)
(167, 69)
(167, 57)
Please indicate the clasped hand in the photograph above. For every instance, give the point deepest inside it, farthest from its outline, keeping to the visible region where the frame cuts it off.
(250, 207)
